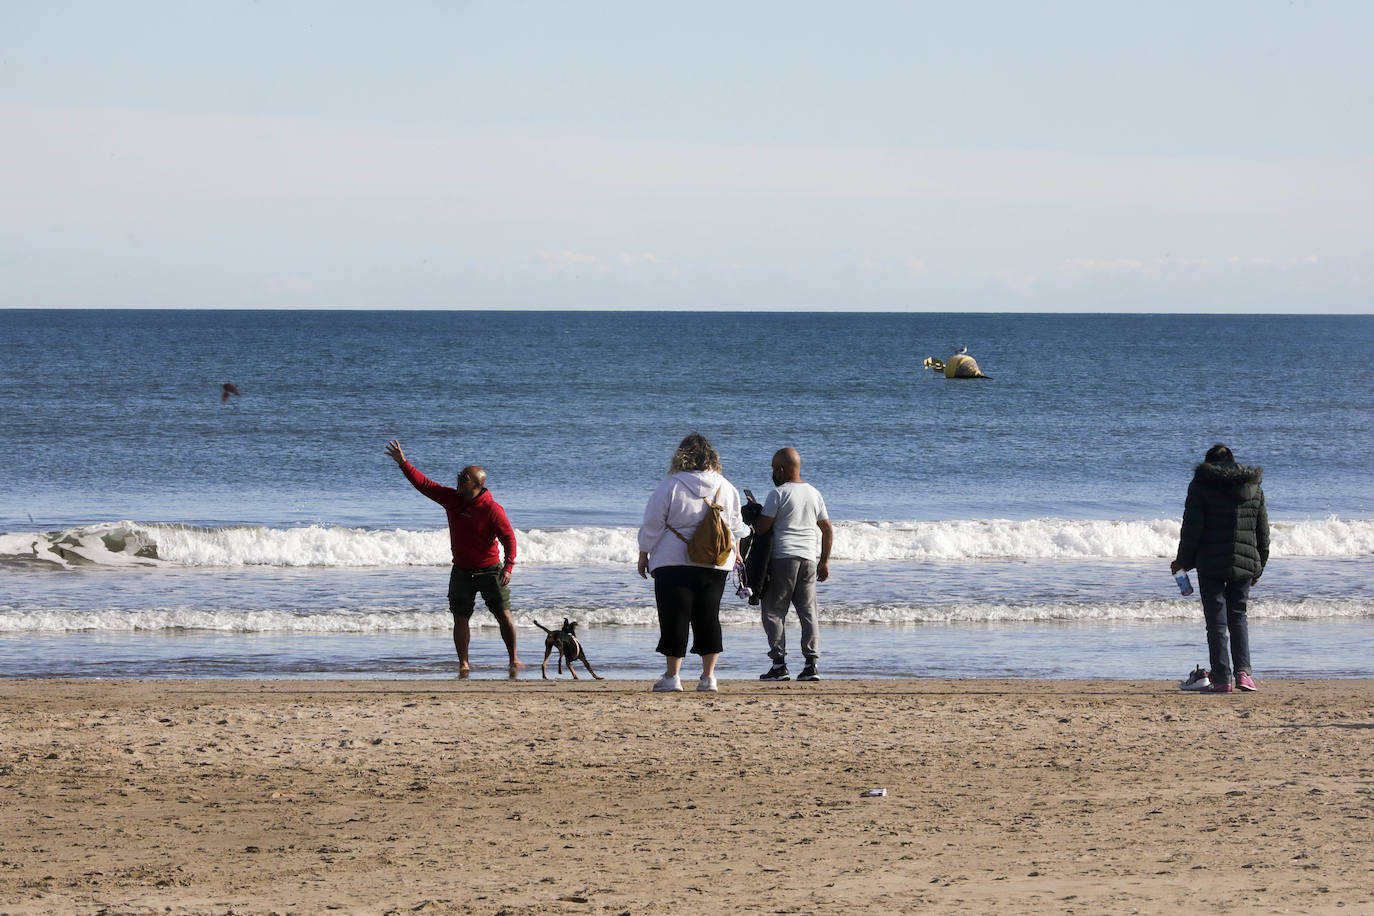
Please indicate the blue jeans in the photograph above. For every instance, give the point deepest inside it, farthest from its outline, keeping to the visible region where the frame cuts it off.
(1223, 607)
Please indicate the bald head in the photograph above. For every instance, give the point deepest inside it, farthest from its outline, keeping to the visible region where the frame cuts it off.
(471, 480)
(786, 466)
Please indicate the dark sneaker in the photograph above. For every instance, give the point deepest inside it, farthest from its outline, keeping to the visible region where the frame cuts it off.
(809, 674)
(1245, 682)
(1216, 687)
(776, 673)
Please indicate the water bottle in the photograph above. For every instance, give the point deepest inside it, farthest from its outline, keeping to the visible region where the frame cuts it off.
(1185, 585)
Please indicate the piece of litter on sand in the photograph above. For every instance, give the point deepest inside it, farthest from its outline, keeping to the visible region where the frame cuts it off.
(874, 793)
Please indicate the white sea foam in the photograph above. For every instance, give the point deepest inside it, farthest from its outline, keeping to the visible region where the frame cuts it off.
(135, 544)
(400, 620)
(219, 620)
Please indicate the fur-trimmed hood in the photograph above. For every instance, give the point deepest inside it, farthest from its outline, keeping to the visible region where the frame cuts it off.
(1240, 481)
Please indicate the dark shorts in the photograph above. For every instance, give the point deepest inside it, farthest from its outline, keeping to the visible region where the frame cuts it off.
(464, 585)
(688, 599)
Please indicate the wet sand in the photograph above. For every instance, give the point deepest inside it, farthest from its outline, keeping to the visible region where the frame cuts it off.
(490, 796)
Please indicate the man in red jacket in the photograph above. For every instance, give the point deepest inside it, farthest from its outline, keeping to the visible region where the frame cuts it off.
(476, 524)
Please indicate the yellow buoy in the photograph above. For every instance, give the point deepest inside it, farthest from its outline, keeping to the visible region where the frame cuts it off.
(961, 366)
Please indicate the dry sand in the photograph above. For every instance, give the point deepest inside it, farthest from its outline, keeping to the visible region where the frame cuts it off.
(488, 796)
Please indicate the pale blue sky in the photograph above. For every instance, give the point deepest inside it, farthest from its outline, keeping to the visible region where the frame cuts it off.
(1047, 156)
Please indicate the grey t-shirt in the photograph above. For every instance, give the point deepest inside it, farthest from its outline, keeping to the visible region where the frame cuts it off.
(795, 508)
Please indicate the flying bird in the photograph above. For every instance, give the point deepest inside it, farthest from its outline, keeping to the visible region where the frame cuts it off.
(229, 390)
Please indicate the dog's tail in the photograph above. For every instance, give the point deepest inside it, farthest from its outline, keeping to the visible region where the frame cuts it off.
(542, 627)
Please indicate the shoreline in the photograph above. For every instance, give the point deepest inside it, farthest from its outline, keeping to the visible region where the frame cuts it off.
(191, 796)
(495, 676)
(1160, 651)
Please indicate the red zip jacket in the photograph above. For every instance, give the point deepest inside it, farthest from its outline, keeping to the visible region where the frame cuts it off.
(473, 528)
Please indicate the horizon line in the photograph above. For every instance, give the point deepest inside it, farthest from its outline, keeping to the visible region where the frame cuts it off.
(673, 311)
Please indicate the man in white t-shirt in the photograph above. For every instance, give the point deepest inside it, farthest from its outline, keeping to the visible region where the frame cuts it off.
(795, 512)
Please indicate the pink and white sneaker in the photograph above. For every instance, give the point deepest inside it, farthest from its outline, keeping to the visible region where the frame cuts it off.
(1245, 682)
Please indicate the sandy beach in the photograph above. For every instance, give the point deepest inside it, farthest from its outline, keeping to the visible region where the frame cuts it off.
(498, 797)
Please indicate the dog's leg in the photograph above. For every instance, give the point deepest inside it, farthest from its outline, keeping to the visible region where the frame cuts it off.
(581, 655)
(587, 665)
(543, 667)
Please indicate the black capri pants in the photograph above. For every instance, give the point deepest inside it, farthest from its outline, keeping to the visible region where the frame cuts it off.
(688, 597)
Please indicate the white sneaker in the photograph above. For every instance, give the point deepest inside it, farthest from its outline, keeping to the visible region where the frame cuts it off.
(667, 684)
(707, 684)
(1198, 680)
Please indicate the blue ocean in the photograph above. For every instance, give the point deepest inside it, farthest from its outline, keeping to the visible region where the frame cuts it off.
(1020, 525)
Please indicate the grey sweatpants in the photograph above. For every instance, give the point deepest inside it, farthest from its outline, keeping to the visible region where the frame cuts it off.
(792, 583)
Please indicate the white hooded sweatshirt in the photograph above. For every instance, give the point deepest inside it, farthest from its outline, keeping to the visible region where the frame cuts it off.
(680, 501)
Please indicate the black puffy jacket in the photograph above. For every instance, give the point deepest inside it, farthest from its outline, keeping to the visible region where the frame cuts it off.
(1225, 532)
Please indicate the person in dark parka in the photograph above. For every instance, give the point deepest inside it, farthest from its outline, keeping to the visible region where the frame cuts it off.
(1225, 537)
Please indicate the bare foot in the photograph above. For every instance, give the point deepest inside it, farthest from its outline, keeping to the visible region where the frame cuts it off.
(516, 663)
(464, 671)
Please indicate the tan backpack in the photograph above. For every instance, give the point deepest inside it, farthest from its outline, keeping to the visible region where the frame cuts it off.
(710, 544)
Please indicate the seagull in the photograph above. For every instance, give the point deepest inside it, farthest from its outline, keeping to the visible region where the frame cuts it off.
(961, 351)
(229, 388)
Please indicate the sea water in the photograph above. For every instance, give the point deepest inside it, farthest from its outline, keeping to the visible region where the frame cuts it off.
(1020, 525)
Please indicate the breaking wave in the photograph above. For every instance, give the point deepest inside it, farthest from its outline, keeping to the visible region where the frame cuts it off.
(402, 620)
(128, 544)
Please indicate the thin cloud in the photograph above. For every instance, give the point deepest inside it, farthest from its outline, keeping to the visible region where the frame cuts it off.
(1157, 267)
(74, 151)
(1109, 265)
(558, 261)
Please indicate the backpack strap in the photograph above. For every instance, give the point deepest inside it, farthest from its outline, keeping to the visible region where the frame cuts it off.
(709, 503)
(671, 528)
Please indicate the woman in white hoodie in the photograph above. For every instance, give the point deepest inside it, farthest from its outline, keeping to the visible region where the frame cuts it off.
(687, 593)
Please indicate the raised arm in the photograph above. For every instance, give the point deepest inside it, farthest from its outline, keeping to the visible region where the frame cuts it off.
(435, 491)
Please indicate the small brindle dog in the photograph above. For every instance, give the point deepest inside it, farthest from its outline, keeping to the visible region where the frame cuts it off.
(569, 649)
